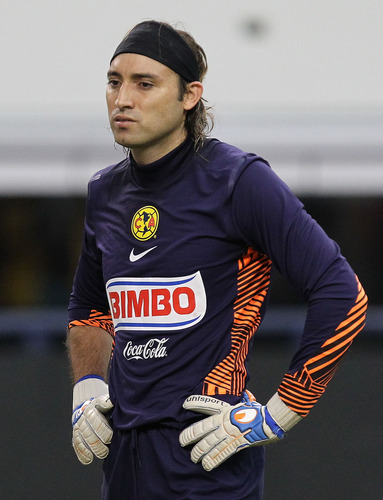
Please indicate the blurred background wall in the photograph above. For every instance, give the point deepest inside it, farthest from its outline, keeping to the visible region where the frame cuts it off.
(300, 84)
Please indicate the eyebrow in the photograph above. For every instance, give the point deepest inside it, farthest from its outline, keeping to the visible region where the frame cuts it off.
(151, 76)
(135, 76)
(112, 73)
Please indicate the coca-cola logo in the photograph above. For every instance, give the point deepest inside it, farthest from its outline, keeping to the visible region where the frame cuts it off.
(153, 348)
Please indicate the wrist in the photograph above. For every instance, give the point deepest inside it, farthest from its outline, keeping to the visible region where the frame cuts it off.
(88, 387)
(278, 431)
(283, 416)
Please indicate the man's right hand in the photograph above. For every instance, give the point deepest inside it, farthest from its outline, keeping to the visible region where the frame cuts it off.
(92, 432)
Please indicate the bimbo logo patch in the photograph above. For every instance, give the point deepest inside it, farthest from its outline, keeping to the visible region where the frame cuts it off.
(156, 303)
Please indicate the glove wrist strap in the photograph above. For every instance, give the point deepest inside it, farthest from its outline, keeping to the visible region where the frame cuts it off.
(282, 414)
(88, 387)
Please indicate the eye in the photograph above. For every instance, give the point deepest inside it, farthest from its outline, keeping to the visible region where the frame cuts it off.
(113, 83)
(146, 85)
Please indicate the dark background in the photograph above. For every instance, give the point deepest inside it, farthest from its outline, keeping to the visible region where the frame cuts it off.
(335, 453)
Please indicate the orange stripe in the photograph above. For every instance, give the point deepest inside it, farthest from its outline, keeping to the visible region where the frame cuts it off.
(326, 353)
(301, 390)
(352, 321)
(339, 345)
(96, 319)
(252, 283)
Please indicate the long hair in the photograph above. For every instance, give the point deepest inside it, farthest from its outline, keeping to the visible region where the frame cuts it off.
(199, 120)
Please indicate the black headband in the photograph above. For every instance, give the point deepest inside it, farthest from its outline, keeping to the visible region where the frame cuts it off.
(162, 43)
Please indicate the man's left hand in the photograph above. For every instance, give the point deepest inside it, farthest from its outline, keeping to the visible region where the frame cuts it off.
(228, 429)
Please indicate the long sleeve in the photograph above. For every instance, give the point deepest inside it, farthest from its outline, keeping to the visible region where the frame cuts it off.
(303, 385)
(275, 222)
(88, 303)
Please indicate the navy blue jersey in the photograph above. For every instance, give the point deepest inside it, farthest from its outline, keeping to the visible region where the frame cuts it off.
(179, 253)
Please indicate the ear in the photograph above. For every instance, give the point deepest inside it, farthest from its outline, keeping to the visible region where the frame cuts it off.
(192, 95)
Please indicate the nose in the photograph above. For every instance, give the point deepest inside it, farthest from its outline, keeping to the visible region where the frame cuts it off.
(124, 98)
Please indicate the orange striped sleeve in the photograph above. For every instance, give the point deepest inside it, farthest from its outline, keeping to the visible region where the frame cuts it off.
(97, 319)
(302, 389)
(229, 376)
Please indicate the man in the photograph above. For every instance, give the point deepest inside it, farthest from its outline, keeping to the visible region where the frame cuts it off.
(172, 283)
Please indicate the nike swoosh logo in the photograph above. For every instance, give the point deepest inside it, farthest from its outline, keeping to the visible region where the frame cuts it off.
(133, 257)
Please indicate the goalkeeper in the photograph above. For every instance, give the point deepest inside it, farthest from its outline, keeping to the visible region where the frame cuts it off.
(180, 239)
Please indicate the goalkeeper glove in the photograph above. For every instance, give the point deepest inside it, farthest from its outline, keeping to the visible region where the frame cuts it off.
(91, 430)
(232, 428)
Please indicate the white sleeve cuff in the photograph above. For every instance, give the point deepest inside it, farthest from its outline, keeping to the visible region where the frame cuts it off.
(89, 387)
(282, 414)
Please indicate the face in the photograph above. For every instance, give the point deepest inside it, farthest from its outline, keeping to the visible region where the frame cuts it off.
(145, 112)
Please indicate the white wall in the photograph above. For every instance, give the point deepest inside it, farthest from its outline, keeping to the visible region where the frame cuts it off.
(320, 55)
(305, 90)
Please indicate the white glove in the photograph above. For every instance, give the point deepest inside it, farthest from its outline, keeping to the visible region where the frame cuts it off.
(91, 430)
(228, 430)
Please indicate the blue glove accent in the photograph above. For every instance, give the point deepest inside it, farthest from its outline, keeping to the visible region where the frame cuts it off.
(89, 376)
(273, 425)
(78, 411)
(249, 418)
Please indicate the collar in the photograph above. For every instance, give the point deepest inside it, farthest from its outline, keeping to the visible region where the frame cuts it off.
(163, 171)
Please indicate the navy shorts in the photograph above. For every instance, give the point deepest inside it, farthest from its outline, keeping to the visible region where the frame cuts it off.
(150, 464)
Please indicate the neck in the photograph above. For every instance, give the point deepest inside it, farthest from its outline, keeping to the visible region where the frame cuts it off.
(151, 153)
(164, 171)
